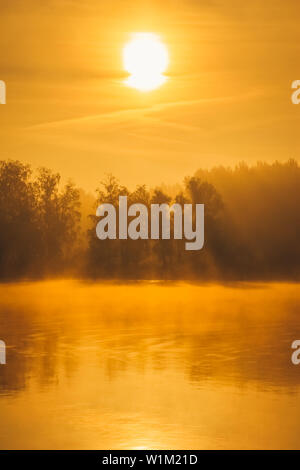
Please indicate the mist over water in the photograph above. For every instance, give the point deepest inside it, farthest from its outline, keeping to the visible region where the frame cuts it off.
(154, 365)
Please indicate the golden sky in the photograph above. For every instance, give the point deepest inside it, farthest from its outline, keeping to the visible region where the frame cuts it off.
(227, 98)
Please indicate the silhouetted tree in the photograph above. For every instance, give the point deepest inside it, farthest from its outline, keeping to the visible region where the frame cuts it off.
(39, 223)
(252, 221)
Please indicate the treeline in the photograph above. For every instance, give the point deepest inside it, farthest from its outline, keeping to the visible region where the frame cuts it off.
(252, 224)
(39, 222)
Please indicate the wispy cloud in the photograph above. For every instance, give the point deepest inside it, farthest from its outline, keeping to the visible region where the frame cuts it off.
(143, 112)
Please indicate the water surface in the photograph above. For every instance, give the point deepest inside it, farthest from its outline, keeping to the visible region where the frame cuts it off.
(149, 365)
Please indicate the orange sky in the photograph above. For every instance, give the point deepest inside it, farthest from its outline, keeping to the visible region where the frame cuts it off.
(228, 97)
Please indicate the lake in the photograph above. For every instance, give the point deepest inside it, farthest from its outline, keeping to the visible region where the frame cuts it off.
(153, 365)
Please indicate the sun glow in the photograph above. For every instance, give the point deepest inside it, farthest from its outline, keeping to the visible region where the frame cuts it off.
(145, 58)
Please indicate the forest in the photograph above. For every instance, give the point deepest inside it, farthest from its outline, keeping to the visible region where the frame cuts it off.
(252, 224)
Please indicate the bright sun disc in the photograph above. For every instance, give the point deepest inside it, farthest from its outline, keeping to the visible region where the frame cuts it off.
(145, 58)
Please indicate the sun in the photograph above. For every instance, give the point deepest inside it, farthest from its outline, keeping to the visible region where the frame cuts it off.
(145, 58)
